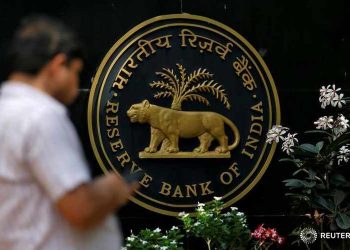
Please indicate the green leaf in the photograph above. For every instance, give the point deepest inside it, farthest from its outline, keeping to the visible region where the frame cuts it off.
(312, 174)
(339, 197)
(321, 186)
(296, 183)
(296, 162)
(309, 148)
(317, 132)
(324, 203)
(339, 180)
(340, 141)
(297, 172)
(319, 145)
(343, 221)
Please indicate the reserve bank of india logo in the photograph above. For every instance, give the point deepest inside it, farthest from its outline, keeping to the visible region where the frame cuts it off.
(186, 101)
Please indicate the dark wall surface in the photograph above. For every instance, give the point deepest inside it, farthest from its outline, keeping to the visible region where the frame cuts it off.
(306, 45)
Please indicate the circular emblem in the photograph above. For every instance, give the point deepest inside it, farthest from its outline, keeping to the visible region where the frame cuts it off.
(308, 235)
(184, 102)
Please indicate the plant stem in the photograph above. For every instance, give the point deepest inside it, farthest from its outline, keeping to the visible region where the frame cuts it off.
(208, 243)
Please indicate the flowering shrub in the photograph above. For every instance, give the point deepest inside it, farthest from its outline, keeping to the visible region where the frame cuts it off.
(155, 239)
(319, 182)
(266, 237)
(221, 230)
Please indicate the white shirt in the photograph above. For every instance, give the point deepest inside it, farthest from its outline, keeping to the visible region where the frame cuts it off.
(41, 159)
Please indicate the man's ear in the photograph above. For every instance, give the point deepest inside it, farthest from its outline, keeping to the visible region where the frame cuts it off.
(57, 62)
(145, 104)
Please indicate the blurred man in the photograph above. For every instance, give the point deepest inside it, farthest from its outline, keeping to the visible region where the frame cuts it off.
(47, 198)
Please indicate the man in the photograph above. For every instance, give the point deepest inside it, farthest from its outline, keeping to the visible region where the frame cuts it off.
(47, 199)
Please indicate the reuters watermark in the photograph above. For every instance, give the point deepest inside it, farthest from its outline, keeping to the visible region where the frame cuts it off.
(309, 235)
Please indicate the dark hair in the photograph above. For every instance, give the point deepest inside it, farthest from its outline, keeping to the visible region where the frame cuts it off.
(37, 40)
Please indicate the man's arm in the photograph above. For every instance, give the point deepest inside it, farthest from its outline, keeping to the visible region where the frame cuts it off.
(54, 156)
(88, 204)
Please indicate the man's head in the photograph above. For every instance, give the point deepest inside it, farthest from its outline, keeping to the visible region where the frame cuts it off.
(44, 49)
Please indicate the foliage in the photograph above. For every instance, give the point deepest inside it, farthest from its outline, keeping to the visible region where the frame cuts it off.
(221, 230)
(319, 182)
(154, 239)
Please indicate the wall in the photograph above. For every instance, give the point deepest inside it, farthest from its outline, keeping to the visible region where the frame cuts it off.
(306, 44)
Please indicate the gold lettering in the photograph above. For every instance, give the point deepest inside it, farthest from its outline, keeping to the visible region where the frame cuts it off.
(133, 166)
(191, 188)
(258, 108)
(165, 43)
(166, 187)
(240, 65)
(234, 169)
(112, 107)
(223, 50)
(205, 45)
(177, 192)
(223, 179)
(142, 44)
(111, 120)
(192, 38)
(123, 158)
(227, 177)
(256, 128)
(131, 63)
(146, 180)
(116, 145)
(112, 133)
(205, 188)
(121, 80)
(251, 141)
(248, 81)
(250, 155)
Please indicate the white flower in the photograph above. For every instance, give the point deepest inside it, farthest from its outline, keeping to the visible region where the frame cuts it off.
(196, 224)
(276, 133)
(183, 214)
(155, 246)
(143, 242)
(227, 214)
(343, 121)
(344, 154)
(325, 97)
(131, 239)
(164, 248)
(164, 237)
(157, 230)
(338, 100)
(333, 91)
(288, 143)
(217, 198)
(240, 214)
(329, 96)
(233, 208)
(174, 228)
(324, 90)
(200, 209)
(200, 204)
(340, 126)
(173, 242)
(324, 122)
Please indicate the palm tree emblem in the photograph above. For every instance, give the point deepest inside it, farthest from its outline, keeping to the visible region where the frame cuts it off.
(188, 87)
